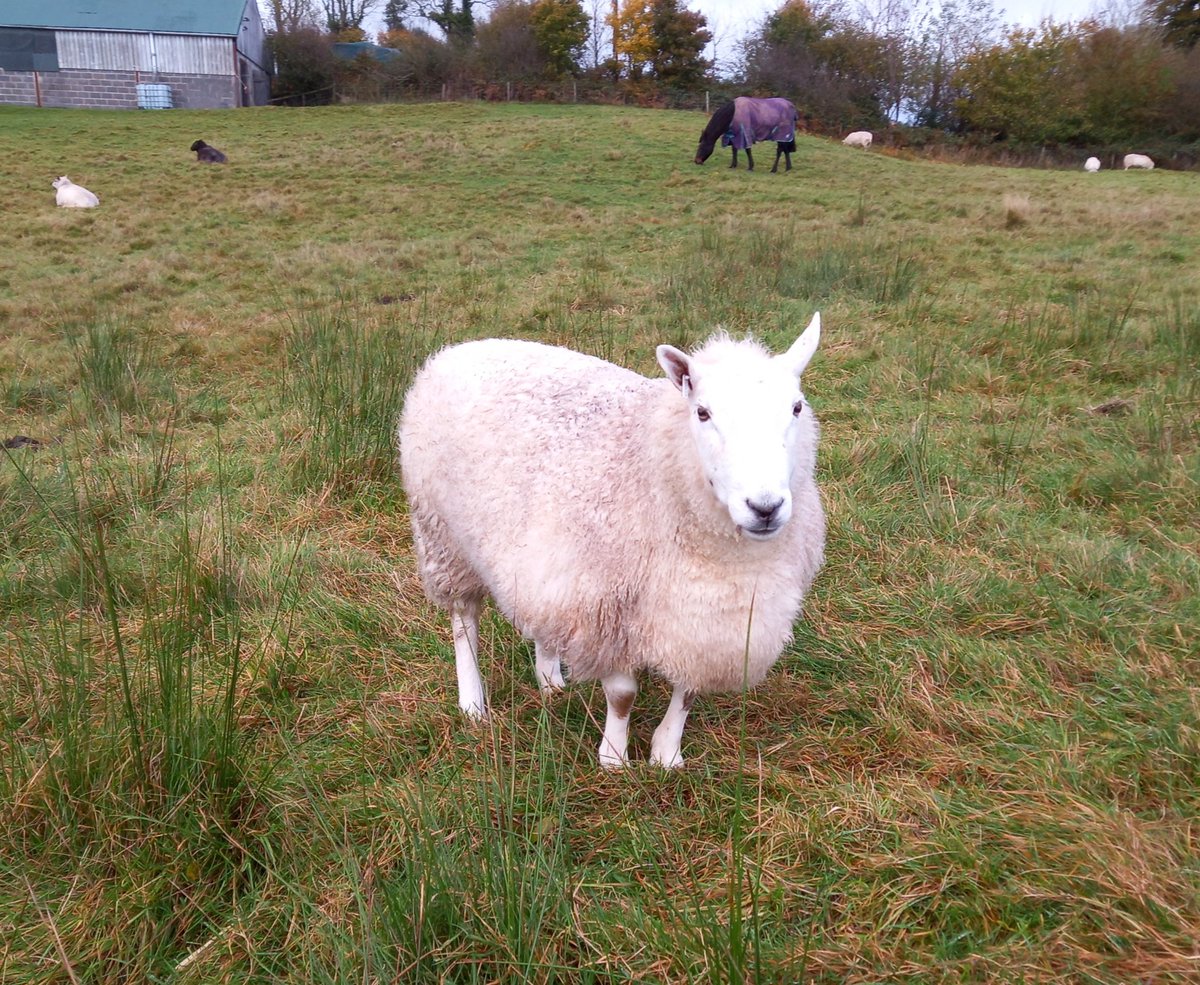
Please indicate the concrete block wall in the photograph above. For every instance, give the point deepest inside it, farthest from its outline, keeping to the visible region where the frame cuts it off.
(17, 89)
(95, 89)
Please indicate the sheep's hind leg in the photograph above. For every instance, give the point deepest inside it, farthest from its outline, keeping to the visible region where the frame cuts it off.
(549, 670)
(620, 690)
(665, 748)
(464, 624)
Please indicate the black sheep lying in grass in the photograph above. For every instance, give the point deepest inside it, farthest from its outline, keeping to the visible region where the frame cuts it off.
(208, 155)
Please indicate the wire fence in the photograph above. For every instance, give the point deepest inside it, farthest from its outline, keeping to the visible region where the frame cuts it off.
(382, 87)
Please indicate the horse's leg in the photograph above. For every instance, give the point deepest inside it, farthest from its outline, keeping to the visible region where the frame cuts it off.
(734, 164)
(787, 154)
(749, 160)
(778, 152)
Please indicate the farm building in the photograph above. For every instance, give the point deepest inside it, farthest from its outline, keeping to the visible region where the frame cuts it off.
(153, 54)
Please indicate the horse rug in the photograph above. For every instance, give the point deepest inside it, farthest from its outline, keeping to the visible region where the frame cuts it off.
(760, 119)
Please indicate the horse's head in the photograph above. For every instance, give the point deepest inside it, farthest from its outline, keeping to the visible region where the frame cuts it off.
(719, 123)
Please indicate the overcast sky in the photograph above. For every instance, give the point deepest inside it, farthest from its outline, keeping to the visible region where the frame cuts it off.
(731, 20)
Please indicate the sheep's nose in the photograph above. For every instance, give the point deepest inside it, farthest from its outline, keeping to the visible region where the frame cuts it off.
(765, 510)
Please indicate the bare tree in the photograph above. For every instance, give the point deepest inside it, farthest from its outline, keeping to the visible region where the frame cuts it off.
(891, 23)
(341, 15)
(943, 42)
(599, 32)
(290, 15)
(457, 23)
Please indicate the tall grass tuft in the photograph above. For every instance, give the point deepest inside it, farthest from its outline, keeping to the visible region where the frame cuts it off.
(345, 377)
(1016, 210)
(131, 746)
(117, 369)
(777, 266)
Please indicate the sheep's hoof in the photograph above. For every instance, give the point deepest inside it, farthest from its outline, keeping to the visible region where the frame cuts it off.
(668, 760)
(475, 712)
(610, 760)
(551, 684)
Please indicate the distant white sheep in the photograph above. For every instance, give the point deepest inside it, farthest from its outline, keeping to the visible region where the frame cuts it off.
(1091, 164)
(860, 138)
(73, 196)
(621, 523)
(1138, 161)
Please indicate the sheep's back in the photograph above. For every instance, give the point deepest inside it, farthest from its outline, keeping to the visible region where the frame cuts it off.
(526, 456)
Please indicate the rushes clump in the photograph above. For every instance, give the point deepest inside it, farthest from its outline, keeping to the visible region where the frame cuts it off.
(344, 377)
(1016, 210)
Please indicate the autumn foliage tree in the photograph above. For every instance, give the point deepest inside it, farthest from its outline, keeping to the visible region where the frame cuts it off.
(633, 36)
(826, 63)
(1026, 89)
(560, 28)
(680, 37)
(1179, 20)
(1059, 84)
(660, 39)
(524, 40)
(506, 45)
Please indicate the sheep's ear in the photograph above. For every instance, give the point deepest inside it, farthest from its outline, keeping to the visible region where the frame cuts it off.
(676, 365)
(802, 349)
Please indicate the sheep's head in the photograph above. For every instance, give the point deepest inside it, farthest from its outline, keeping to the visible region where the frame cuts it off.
(60, 182)
(197, 145)
(751, 425)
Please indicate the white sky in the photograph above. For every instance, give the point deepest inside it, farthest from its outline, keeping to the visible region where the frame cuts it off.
(731, 20)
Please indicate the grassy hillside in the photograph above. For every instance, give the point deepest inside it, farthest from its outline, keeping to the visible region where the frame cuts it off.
(229, 744)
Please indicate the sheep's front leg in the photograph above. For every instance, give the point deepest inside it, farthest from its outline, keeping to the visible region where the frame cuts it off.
(549, 670)
(464, 624)
(620, 690)
(665, 747)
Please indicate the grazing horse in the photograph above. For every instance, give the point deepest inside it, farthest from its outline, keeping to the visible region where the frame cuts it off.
(746, 121)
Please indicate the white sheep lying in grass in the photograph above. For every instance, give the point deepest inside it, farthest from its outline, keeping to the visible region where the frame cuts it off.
(1091, 164)
(619, 522)
(1138, 161)
(73, 196)
(860, 138)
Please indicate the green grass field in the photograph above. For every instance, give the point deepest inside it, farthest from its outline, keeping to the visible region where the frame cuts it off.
(229, 744)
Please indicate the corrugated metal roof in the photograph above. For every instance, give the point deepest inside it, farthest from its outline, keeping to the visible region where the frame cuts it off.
(167, 16)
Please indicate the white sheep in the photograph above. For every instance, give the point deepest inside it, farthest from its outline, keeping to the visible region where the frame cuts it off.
(1138, 161)
(1091, 164)
(73, 196)
(621, 523)
(860, 138)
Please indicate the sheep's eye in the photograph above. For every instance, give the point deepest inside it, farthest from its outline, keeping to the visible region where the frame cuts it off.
(702, 414)
(797, 408)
